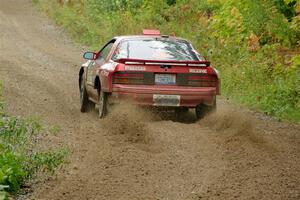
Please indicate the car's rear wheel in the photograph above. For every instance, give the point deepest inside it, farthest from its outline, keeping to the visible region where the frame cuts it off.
(103, 104)
(203, 109)
(85, 103)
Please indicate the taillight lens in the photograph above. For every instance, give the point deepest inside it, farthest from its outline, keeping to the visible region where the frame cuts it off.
(202, 81)
(128, 78)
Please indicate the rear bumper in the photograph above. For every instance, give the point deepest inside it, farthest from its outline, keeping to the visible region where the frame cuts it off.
(146, 95)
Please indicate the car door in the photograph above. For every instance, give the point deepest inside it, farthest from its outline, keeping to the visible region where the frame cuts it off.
(94, 67)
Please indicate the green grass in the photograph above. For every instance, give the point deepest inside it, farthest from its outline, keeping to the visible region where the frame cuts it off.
(20, 160)
(55, 129)
(252, 43)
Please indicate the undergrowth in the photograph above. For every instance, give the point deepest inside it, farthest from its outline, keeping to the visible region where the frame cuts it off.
(254, 43)
(20, 160)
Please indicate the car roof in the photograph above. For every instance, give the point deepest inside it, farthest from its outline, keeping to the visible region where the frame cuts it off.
(122, 37)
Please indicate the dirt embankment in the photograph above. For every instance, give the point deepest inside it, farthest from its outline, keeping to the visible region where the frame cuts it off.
(135, 154)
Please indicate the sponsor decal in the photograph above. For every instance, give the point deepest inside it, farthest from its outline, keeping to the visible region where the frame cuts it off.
(200, 71)
(135, 68)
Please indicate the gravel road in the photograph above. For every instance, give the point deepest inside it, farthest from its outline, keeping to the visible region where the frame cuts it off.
(235, 153)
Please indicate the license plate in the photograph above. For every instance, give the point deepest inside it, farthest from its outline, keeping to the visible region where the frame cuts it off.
(165, 79)
(166, 100)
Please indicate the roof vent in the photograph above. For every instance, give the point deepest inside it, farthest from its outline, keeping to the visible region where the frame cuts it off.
(151, 32)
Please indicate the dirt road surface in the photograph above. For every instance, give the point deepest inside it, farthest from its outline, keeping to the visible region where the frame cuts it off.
(233, 154)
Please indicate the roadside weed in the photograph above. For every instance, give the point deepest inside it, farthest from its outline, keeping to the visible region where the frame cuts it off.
(20, 160)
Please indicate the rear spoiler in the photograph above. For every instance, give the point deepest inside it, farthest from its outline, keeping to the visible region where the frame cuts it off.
(130, 61)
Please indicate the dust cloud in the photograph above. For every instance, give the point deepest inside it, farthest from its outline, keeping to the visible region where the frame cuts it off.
(230, 122)
(130, 120)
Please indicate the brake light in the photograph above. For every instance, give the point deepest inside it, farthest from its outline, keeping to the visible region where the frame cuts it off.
(202, 81)
(128, 78)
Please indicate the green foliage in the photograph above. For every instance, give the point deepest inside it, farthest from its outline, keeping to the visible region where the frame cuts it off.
(55, 129)
(243, 39)
(1, 103)
(3, 193)
(287, 7)
(47, 161)
(239, 19)
(18, 159)
(11, 171)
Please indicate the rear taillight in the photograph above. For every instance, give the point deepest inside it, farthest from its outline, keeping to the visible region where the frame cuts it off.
(128, 78)
(201, 81)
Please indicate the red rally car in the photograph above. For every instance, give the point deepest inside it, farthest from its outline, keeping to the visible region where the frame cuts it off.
(152, 70)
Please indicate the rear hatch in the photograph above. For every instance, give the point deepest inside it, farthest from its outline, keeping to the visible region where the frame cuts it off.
(166, 73)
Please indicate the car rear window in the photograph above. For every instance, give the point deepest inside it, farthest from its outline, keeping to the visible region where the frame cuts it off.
(155, 49)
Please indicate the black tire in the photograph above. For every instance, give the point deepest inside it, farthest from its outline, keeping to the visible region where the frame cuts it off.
(85, 103)
(103, 104)
(202, 109)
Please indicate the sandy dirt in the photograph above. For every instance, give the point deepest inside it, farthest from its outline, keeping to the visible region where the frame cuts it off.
(133, 154)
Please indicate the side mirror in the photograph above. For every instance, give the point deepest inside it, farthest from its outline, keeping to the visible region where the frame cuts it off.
(89, 55)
